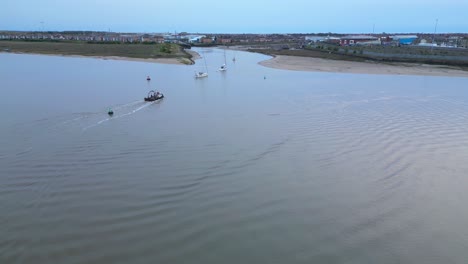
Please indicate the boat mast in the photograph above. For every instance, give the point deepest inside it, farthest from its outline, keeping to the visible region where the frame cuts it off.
(204, 59)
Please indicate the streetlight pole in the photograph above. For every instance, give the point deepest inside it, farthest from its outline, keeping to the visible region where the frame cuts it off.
(433, 36)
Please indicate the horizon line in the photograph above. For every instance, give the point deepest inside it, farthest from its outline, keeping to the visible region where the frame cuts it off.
(227, 33)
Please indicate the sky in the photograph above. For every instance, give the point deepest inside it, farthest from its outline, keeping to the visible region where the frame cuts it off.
(237, 16)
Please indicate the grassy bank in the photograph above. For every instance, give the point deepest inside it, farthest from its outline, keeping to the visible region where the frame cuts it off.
(139, 51)
(418, 55)
(307, 53)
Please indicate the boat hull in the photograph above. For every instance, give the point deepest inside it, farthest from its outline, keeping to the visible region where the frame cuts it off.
(201, 75)
(153, 98)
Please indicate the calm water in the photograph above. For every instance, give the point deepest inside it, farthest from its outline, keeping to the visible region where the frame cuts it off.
(253, 165)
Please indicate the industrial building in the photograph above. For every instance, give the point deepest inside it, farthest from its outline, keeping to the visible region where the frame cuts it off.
(359, 40)
(404, 39)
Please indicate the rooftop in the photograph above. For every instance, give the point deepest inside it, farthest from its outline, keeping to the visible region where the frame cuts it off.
(358, 37)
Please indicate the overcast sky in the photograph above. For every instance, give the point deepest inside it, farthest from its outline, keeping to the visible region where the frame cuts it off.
(236, 16)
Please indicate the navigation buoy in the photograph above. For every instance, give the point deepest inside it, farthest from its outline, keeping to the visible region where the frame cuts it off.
(110, 112)
(148, 78)
(264, 77)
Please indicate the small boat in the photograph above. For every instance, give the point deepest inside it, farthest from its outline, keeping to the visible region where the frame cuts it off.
(110, 112)
(154, 96)
(201, 74)
(223, 67)
(148, 78)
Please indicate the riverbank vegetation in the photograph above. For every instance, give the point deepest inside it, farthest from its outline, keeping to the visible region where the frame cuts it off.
(82, 48)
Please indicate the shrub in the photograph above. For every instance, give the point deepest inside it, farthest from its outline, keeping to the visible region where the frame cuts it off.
(166, 48)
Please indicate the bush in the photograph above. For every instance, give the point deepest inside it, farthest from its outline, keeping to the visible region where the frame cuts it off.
(166, 48)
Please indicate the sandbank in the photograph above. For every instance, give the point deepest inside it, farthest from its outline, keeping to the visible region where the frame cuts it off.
(296, 63)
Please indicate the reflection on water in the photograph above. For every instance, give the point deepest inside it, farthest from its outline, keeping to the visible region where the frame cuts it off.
(293, 168)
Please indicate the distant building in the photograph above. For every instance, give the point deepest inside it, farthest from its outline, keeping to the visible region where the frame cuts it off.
(263, 39)
(206, 40)
(314, 38)
(454, 41)
(170, 38)
(424, 43)
(225, 40)
(195, 39)
(404, 39)
(332, 40)
(359, 40)
(463, 43)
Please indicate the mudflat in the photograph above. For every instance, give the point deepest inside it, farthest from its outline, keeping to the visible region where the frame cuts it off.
(297, 63)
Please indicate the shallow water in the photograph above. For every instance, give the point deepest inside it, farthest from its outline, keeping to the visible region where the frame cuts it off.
(251, 165)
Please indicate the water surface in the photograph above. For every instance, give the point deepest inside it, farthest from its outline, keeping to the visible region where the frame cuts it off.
(251, 165)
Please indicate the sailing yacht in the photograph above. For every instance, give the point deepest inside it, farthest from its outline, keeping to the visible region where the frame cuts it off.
(223, 67)
(201, 74)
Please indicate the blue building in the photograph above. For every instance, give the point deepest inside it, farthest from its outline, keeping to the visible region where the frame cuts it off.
(405, 39)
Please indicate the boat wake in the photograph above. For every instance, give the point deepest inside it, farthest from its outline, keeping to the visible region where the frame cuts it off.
(120, 116)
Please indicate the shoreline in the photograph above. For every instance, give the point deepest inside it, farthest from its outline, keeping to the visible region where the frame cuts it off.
(310, 64)
(298, 63)
(195, 55)
(176, 61)
(165, 53)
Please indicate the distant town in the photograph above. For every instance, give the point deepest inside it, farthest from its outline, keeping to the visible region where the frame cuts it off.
(459, 40)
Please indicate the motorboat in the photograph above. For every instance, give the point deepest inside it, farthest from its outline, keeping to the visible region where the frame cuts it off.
(154, 96)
